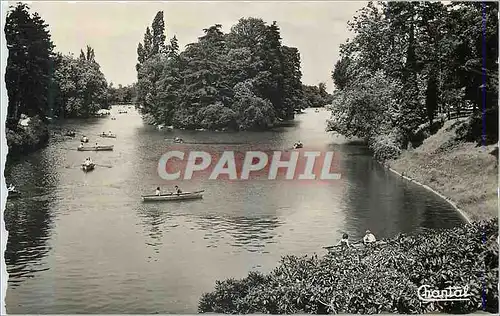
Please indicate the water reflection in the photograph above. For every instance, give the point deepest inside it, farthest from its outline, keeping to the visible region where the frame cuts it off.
(380, 201)
(249, 233)
(29, 218)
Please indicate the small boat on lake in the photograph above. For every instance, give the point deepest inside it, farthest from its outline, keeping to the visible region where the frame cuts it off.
(88, 167)
(96, 148)
(298, 145)
(84, 139)
(109, 135)
(113, 118)
(173, 196)
(178, 140)
(70, 133)
(122, 111)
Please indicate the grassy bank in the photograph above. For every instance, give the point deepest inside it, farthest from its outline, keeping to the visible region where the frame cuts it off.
(462, 171)
(381, 279)
(22, 140)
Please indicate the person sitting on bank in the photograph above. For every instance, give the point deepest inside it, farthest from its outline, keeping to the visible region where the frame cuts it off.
(158, 191)
(344, 242)
(178, 190)
(369, 238)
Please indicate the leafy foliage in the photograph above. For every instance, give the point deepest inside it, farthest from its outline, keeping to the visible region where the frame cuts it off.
(80, 85)
(22, 139)
(29, 65)
(245, 79)
(121, 94)
(41, 84)
(432, 55)
(383, 278)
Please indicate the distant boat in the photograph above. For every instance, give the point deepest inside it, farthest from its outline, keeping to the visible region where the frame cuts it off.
(122, 111)
(88, 167)
(173, 196)
(70, 133)
(108, 135)
(84, 140)
(113, 118)
(96, 148)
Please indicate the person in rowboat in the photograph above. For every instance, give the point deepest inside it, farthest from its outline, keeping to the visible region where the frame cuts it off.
(369, 238)
(110, 134)
(344, 242)
(81, 145)
(158, 191)
(177, 190)
(11, 188)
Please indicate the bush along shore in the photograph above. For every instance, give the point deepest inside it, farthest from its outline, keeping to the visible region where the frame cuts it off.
(24, 139)
(383, 278)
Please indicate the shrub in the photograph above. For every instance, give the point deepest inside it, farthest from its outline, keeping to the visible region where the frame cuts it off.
(25, 139)
(386, 146)
(472, 129)
(383, 278)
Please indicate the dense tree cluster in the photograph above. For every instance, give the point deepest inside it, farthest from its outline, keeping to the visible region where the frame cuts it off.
(80, 85)
(121, 94)
(245, 79)
(42, 83)
(410, 63)
(316, 96)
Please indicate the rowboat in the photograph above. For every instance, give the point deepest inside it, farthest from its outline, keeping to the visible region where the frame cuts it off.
(108, 135)
(297, 146)
(70, 133)
(173, 196)
(88, 167)
(96, 148)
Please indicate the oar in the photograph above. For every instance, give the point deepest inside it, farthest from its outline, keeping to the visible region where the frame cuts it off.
(106, 166)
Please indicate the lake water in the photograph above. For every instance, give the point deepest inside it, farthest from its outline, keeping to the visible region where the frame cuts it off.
(86, 243)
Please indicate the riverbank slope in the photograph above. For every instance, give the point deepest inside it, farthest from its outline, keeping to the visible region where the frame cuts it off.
(461, 171)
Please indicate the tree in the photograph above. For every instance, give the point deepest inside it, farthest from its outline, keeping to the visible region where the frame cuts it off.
(29, 65)
(158, 36)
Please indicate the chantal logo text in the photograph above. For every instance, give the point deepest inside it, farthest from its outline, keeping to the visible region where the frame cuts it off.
(287, 165)
(451, 293)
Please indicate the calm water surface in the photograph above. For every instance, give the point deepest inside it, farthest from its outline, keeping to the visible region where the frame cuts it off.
(85, 243)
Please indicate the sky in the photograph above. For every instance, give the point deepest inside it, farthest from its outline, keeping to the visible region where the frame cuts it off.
(114, 29)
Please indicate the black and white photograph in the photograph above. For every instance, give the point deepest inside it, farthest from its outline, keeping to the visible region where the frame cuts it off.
(249, 157)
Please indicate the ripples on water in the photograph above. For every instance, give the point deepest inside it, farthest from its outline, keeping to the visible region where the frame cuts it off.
(86, 243)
